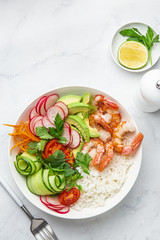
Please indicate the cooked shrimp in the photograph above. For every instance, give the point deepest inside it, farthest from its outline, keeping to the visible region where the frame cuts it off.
(98, 99)
(104, 135)
(101, 119)
(113, 113)
(108, 157)
(118, 133)
(94, 143)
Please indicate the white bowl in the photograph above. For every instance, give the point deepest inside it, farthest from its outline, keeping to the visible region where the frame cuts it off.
(86, 213)
(118, 39)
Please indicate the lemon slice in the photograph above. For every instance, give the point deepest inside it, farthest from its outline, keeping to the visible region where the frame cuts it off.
(133, 55)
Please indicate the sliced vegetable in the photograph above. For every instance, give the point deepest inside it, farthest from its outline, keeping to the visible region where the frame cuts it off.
(67, 99)
(69, 197)
(33, 113)
(27, 164)
(63, 106)
(76, 139)
(51, 147)
(45, 182)
(80, 124)
(22, 135)
(53, 111)
(39, 104)
(32, 123)
(38, 123)
(47, 123)
(78, 107)
(50, 101)
(67, 134)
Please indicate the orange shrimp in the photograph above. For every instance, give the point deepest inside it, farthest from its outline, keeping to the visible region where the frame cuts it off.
(100, 119)
(98, 99)
(118, 133)
(108, 157)
(94, 143)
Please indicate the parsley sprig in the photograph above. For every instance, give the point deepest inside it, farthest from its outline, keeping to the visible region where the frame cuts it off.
(56, 132)
(148, 40)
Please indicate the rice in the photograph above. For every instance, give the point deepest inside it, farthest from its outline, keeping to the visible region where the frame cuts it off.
(99, 186)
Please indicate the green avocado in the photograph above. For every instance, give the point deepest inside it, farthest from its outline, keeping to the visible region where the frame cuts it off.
(79, 148)
(86, 98)
(80, 124)
(77, 107)
(67, 99)
(92, 131)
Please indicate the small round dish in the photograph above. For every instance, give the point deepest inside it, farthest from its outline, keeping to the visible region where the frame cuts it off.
(87, 212)
(118, 39)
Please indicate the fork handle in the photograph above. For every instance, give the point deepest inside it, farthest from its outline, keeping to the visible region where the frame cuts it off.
(11, 192)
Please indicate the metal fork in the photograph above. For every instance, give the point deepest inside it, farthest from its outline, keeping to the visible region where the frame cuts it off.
(39, 227)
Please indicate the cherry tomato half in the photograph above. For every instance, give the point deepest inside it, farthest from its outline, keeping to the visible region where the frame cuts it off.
(69, 197)
(51, 147)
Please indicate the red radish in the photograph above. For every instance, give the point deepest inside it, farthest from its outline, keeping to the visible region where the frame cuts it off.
(43, 199)
(32, 113)
(59, 208)
(39, 103)
(64, 107)
(42, 110)
(50, 101)
(32, 122)
(76, 139)
(54, 201)
(37, 124)
(47, 123)
(53, 111)
(67, 134)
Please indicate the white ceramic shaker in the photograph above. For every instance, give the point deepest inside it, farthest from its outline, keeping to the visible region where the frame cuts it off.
(147, 96)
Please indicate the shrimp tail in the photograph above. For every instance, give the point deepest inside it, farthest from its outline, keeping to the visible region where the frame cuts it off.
(134, 145)
(108, 157)
(97, 158)
(103, 123)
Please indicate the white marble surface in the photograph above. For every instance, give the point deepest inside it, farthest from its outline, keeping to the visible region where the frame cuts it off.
(47, 44)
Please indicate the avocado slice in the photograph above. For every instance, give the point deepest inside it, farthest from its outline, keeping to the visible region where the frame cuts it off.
(79, 148)
(86, 98)
(67, 99)
(92, 131)
(77, 107)
(80, 124)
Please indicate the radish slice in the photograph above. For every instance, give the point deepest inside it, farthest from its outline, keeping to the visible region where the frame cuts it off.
(38, 124)
(50, 101)
(39, 103)
(53, 111)
(54, 201)
(33, 113)
(67, 134)
(43, 200)
(76, 139)
(32, 122)
(42, 110)
(47, 123)
(63, 211)
(64, 107)
(60, 208)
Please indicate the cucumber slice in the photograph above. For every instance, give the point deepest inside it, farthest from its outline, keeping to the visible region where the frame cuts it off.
(45, 182)
(26, 164)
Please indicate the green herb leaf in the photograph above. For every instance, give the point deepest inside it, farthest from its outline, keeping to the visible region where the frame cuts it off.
(82, 160)
(71, 181)
(43, 133)
(34, 147)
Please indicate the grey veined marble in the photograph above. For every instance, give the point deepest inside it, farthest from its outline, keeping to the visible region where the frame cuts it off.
(48, 44)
